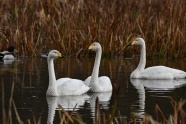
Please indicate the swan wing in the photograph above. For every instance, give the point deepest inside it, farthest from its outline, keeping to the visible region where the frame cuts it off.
(72, 87)
(62, 80)
(87, 81)
(162, 72)
(105, 83)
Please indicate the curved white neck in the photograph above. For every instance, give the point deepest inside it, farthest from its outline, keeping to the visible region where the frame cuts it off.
(95, 72)
(52, 87)
(142, 63)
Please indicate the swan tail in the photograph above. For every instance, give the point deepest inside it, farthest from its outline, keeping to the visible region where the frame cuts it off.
(82, 90)
(87, 81)
(180, 76)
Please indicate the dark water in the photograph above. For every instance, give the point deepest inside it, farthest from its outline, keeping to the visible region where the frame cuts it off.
(26, 80)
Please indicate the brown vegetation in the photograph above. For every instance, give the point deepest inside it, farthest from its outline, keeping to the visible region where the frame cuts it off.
(70, 25)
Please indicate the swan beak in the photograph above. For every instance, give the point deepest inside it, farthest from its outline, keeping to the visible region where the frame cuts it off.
(133, 42)
(59, 54)
(90, 47)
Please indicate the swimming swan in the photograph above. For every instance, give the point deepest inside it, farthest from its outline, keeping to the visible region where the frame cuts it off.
(155, 72)
(62, 86)
(103, 83)
(8, 55)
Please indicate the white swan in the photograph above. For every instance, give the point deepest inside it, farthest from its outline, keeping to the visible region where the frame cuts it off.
(155, 72)
(8, 55)
(62, 86)
(103, 83)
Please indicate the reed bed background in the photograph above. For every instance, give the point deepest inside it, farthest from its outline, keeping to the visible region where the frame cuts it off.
(71, 25)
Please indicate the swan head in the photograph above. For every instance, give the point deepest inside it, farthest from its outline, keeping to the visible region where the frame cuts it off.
(95, 46)
(54, 54)
(137, 41)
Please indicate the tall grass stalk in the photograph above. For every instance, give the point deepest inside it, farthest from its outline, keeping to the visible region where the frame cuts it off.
(72, 25)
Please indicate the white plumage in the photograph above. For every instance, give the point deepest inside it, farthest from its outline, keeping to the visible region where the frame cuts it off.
(63, 86)
(155, 72)
(103, 83)
(162, 72)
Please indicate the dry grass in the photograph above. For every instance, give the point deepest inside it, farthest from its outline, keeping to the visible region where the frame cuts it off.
(69, 25)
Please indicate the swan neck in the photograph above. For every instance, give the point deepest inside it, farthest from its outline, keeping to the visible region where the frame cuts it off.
(142, 62)
(95, 71)
(52, 78)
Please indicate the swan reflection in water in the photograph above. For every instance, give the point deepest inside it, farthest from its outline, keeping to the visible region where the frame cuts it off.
(68, 103)
(152, 85)
(103, 100)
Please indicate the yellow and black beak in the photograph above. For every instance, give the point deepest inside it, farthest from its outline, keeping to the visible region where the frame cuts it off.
(59, 54)
(90, 47)
(131, 43)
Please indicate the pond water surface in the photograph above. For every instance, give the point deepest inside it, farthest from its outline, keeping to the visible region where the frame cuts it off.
(26, 80)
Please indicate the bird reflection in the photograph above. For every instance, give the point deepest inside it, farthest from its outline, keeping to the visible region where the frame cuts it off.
(163, 84)
(104, 100)
(152, 85)
(66, 102)
(8, 62)
(138, 84)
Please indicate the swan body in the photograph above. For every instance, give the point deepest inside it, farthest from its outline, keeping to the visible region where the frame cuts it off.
(162, 72)
(63, 86)
(98, 84)
(8, 55)
(155, 72)
(104, 84)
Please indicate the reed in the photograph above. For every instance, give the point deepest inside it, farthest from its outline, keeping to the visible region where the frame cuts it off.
(70, 25)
